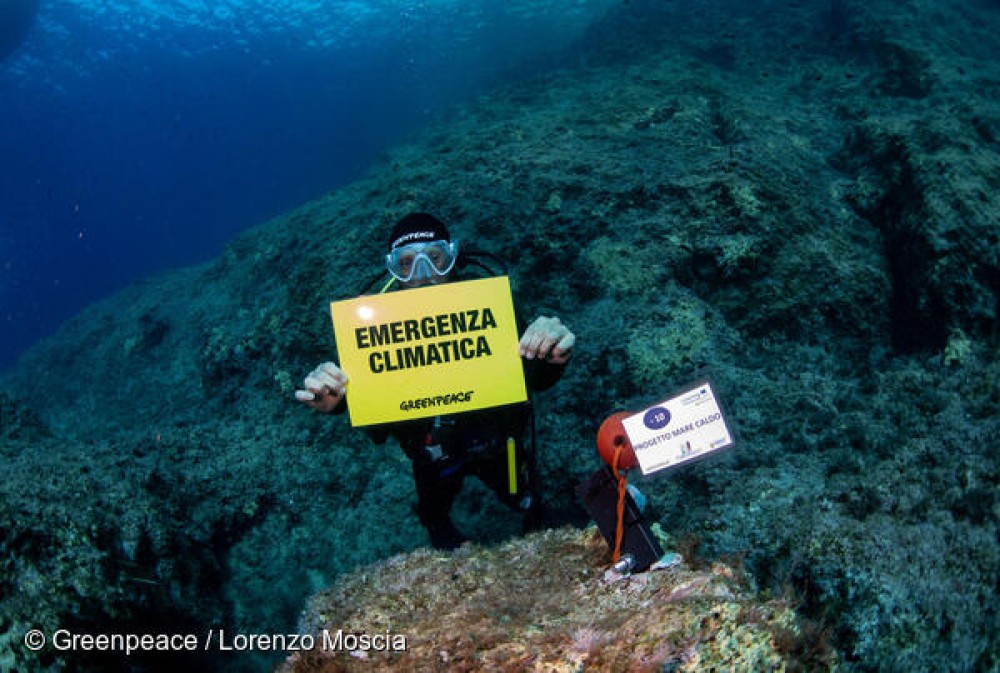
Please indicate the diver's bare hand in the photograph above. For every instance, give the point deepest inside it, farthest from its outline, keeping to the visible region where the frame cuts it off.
(325, 387)
(547, 339)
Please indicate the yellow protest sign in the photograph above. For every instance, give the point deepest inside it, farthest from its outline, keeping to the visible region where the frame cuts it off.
(429, 351)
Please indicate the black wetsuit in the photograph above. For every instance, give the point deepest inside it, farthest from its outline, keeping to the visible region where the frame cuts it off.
(445, 449)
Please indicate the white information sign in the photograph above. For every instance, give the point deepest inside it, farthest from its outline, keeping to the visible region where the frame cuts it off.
(687, 426)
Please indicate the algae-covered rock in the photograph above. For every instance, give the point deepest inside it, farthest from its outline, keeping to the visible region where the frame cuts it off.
(549, 602)
(19, 422)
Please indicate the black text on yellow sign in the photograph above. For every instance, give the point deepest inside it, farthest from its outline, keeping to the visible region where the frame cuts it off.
(429, 351)
(414, 343)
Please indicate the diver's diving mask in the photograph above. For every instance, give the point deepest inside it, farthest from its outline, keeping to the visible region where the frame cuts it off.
(422, 261)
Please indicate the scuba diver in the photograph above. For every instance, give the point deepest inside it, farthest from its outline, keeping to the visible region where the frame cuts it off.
(446, 449)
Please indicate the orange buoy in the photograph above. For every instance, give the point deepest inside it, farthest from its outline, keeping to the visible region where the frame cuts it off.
(611, 439)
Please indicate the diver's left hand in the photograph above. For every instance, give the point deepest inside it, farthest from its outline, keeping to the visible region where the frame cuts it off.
(547, 339)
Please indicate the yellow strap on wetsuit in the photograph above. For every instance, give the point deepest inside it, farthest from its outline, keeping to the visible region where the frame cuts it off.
(512, 465)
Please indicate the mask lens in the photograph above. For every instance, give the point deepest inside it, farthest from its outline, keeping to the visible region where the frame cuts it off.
(404, 262)
(439, 255)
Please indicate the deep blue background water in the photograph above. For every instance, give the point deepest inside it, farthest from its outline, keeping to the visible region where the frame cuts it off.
(140, 136)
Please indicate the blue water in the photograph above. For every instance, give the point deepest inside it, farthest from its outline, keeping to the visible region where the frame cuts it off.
(140, 136)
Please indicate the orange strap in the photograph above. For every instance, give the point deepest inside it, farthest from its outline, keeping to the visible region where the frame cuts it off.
(622, 489)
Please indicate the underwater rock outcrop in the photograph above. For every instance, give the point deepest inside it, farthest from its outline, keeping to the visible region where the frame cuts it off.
(549, 602)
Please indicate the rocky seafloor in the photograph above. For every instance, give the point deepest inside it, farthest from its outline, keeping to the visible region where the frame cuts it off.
(549, 602)
(801, 198)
